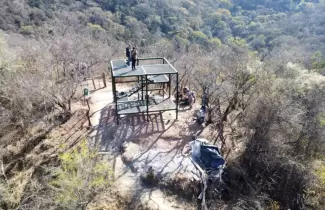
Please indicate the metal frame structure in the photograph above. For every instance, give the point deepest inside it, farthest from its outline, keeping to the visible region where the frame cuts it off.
(150, 71)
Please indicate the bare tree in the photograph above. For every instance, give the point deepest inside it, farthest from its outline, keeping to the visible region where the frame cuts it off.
(224, 78)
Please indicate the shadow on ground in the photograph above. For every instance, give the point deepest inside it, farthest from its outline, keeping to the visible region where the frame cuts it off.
(137, 145)
(107, 135)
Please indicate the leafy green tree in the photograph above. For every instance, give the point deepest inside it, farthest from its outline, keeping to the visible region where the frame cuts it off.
(26, 30)
(199, 37)
(223, 13)
(226, 4)
(318, 62)
(216, 41)
(258, 42)
(236, 41)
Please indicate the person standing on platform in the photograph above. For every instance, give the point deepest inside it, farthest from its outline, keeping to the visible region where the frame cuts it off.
(134, 58)
(128, 54)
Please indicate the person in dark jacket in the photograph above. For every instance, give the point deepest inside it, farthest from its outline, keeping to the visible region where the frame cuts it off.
(134, 58)
(128, 55)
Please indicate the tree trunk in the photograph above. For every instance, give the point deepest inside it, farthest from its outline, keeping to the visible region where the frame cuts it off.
(209, 118)
(64, 72)
(220, 125)
(94, 84)
(220, 134)
(69, 104)
(308, 149)
(231, 107)
(299, 141)
(104, 80)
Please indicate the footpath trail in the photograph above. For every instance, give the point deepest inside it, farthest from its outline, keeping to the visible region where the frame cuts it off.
(158, 144)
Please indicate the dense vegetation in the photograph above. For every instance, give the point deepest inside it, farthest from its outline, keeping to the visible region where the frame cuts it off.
(262, 61)
(263, 25)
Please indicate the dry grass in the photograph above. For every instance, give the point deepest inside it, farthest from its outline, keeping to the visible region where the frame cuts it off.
(23, 157)
(110, 200)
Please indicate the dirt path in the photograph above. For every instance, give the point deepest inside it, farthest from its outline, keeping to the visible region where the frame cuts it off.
(157, 144)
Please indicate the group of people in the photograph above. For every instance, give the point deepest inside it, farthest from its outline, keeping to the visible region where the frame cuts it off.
(188, 96)
(131, 56)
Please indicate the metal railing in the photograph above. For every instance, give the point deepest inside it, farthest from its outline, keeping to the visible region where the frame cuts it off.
(151, 61)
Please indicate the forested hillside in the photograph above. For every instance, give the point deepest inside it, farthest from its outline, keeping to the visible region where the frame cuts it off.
(263, 25)
(262, 61)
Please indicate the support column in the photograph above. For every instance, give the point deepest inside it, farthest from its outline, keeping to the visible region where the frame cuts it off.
(113, 88)
(115, 99)
(163, 89)
(139, 88)
(169, 85)
(142, 88)
(177, 93)
(147, 98)
(110, 68)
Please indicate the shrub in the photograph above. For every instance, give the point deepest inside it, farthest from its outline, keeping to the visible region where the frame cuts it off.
(80, 177)
(26, 30)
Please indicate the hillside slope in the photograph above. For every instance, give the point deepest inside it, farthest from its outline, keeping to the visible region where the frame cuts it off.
(264, 25)
(261, 62)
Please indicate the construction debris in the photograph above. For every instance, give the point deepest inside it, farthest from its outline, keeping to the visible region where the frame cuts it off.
(208, 161)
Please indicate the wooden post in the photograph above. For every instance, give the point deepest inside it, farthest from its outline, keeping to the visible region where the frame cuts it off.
(94, 83)
(104, 80)
(88, 104)
(88, 114)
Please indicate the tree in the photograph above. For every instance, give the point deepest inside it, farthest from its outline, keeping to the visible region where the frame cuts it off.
(228, 83)
(199, 37)
(77, 56)
(81, 175)
(4, 187)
